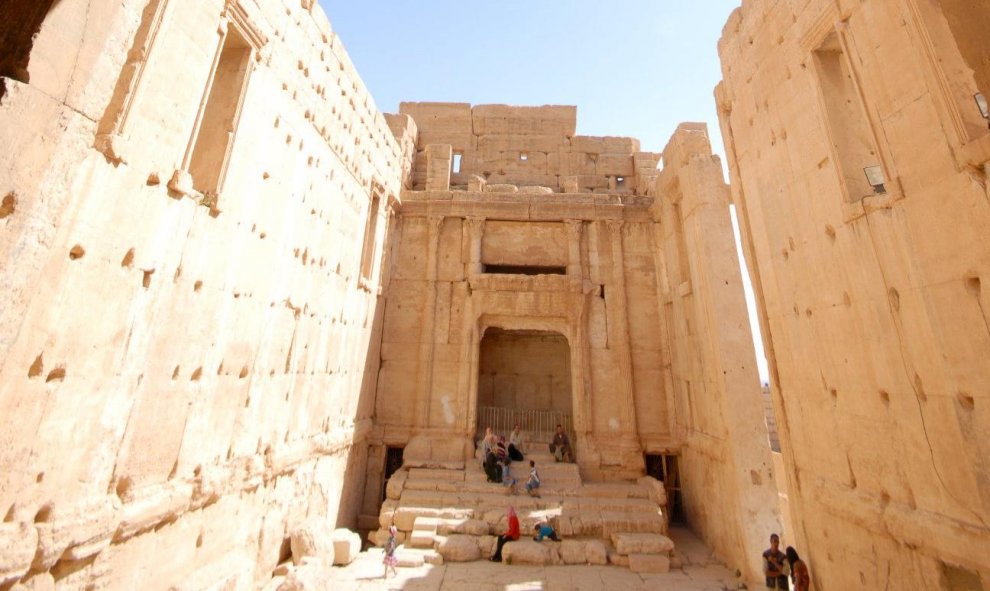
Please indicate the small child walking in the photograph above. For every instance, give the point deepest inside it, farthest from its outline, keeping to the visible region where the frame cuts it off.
(534, 480)
(508, 480)
(390, 561)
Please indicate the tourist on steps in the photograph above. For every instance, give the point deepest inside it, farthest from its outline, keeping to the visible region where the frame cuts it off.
(534, 480)
(492, 468)
(560, 447)
(507, 478)
(799, 570)
(390, 560)
(544, 530)
(488, 443)
(511, 535)
(774, 565)
(502, 452)
(516, 441)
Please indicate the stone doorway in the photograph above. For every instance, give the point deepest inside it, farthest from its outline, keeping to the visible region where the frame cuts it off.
(524, 377)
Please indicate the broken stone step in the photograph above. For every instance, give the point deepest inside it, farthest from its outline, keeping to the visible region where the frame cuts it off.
(640, 543)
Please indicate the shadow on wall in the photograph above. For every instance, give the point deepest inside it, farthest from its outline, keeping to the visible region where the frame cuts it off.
(21, 22)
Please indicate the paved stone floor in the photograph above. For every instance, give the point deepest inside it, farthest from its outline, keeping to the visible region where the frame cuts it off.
(700, 573)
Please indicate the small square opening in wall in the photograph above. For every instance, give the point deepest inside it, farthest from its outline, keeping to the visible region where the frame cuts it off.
(981, 104)
(620, 181)
(457, 163)
(874, 176)
(524, 156)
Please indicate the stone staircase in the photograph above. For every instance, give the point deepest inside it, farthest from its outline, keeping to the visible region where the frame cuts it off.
(455, 515)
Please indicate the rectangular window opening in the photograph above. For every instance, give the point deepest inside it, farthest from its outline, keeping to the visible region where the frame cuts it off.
(848, 127)
(457, 163)
(215, 135)
(524, 156)
(370, 237)
(525, 270)
(960, 42)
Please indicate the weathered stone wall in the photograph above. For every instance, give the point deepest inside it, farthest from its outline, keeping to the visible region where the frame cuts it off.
(525, 371)
(730, 495)
(526, 146)
(601, 298)
(183, 375)
(872, 305)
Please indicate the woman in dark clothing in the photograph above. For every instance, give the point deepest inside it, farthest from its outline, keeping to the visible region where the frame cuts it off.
(799, 570)
(492, 469)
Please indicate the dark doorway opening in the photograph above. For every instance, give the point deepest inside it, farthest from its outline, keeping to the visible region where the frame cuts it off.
(663, 467)
(393, 461)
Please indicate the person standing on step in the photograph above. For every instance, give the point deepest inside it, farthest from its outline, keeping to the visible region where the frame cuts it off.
(507, 478)
(390, 560)
(534, 480)
(560, 447)
(511, 534)
(516, 441)
(799, 570)
(774, 565)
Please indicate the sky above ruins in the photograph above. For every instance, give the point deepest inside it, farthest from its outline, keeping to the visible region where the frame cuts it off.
(633, 67)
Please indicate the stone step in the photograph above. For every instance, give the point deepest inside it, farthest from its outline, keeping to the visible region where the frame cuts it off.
(639, 543)
(421, 539)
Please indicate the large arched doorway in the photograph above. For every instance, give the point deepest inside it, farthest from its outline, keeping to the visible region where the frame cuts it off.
(524, 378)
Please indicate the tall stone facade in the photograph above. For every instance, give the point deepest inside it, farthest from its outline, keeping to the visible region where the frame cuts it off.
(859, 161)
(190, 290)
(232, 288)
(544, 232)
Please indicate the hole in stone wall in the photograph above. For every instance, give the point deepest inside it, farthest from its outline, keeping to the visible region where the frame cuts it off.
(524, 157)
(8, 205)
(44, 515)
(153, 180)
(197, 286)
(9, 515)
(955, 578)
(199, 540)
(128, 259)
(198, 373)
(124, 487)
(966, 401)
(457, 163)
(885, 397)
(37, 367)
(40, 477)
(895, 299)
(56, 375)
(220, 368)
(175, 373)
(146, 278)
(77, 252)
(244, 372)
(22, 22)
(973, 285)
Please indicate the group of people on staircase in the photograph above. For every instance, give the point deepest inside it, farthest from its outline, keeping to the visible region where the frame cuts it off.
(497, 455)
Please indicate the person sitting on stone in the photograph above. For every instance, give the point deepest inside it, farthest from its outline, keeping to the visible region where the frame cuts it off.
(501, 452)
(534, 480)
(488, 443)
(544, 530)
(516, 441)
(492, 468)
(511, 534)
(560, 447)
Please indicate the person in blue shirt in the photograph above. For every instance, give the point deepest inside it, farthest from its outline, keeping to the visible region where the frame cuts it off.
(543, 530)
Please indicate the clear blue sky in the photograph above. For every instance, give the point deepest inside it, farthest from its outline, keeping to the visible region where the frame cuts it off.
(633, 67)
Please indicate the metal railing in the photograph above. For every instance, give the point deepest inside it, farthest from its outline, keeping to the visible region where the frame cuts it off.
(539, 425)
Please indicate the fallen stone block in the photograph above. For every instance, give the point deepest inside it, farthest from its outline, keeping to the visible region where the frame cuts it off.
(574, 552)
(596, 553)
(636, 543)
(649, 563)
(18, 543)
(346, 545)
(531, 552)
(459, 548)
(312, 539)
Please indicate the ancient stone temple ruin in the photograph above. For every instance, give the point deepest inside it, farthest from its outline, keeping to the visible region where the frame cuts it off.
(246, 317)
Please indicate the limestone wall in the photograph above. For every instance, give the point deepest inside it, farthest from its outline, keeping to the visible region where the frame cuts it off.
(601, 298)
(527, 146)
(730, 496)
(871, 298)
(183, 358)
